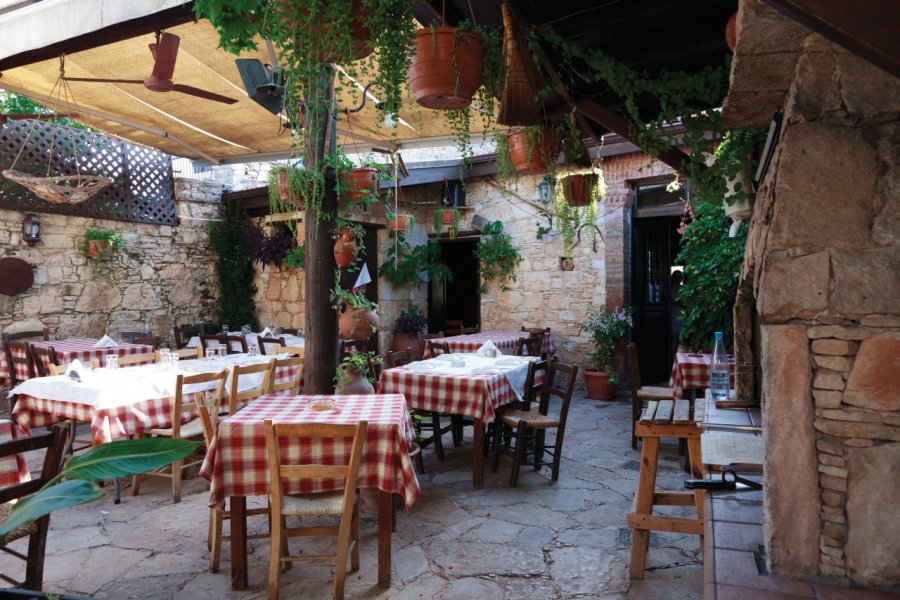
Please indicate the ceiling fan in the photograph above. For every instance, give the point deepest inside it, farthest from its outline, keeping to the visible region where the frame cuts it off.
(164, 51)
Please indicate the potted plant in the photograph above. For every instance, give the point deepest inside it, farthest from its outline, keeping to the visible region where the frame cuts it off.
(357, 315)
(606, 327)
(100, 244)
(406, 266)
(400, 221)
(447, 216)
(352, 376)
(265, 248)
(533, 149)
(288, 186)
(410, 322)
(446, 68)
(357, 184)
(497, 257)
(296, 257)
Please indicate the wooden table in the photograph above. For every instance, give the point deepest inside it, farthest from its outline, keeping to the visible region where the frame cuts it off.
(235, 463)
(472, 395)
(77, 348)
(506, 341)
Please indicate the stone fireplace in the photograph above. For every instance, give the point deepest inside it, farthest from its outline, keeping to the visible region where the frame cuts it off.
(819, 302)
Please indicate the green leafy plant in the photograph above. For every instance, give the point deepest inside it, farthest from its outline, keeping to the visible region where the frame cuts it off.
(120, 458)
(100, 244)
(355, 362)
(290, 186)
(606, 327)
(296, 257)
(234, 270)
(355, 300)
(406, 266)
(438, 219)
(411, 320)
(542, 231)
(497, 256)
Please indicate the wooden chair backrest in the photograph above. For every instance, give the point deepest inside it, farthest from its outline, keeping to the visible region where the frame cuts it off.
(38, 335)
(293, 384)
(268, 345)
(399, 358)
(423, 340)
(129, 360)
(42, 357)
(61, 369)
(18, 352)
(437, 348)
(553, 388)
(534, 390)
(530, 346)
(236, 398)
(211, 340)
(187, 353)
(129, 337)
(213, 400)
(290, 331)
(545, 330)
(298, 350)
(236, 343)
(348, 347)
(184, 333)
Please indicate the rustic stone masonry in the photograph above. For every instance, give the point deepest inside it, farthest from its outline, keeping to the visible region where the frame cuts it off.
(164, 275)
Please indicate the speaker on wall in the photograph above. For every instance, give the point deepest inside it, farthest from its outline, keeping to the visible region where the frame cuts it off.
(264, 84)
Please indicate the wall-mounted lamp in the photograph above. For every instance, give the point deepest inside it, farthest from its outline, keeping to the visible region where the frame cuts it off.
(31, 229)
(545, 189)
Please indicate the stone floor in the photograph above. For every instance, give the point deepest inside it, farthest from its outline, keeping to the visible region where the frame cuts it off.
(538, 540)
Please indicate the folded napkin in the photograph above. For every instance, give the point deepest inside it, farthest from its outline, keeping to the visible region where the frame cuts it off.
(75, 371)
(266, 332)
(106, 342)
(488, 349)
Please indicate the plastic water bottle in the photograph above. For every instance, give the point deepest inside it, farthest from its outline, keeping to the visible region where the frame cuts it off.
(719, 373)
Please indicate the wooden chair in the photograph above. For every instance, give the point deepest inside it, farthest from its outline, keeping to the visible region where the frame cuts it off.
(296, 350)
(423, 341)
(184, 333)
(188, 353)
(236, 343)
(148, 341)
(348, 347)
(288, 387)
(540, 421)
(530, 346)
(42, 357)
(343, 503)
(544, 330)
(531, 395)
(214, 537)
(399, 358)
(237, 399)
(55, 441)
(454, 327)
(209, 341)
(129, 337)
(437, 348)
(641, 394)
(290, 331)
(129, 360)
(376, 365)
(268, 345)
(191, 429)
(37, 336)
(18, 354)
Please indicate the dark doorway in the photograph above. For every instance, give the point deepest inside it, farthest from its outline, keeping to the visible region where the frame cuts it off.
(655, 246)
(459, 299)
(369, 257)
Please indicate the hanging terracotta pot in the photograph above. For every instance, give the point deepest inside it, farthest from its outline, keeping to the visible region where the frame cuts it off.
(345, 248)
(359, 183)
(354, 382)
(446, 68)
(356, 324)
(533, 152)
(361, 44)
(731, 32)
(282, 186)
(577, 188)
(400, 222)
(447, 217)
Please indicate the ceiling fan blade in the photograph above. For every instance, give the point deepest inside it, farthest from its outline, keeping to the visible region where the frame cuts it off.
(166, 53)
(187, 89)
(95, 80)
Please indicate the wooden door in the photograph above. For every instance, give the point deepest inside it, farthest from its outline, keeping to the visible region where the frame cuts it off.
(458, 299)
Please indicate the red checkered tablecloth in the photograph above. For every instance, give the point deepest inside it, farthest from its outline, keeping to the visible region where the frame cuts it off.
(236, 461)
(473, 395)
(691, 371)
(13, 469)
(506, 341)
(80, 348)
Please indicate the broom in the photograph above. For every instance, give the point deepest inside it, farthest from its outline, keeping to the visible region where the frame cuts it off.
(518, 104)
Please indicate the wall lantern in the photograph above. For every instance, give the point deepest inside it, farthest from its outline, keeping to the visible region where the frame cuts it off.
(31, 229)
(545, 189)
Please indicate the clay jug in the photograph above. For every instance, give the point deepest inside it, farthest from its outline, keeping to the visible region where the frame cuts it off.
(345, 248)
(356, 324)
(354, 382)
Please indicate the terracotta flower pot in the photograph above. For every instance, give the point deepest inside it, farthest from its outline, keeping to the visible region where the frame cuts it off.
(354, 382)
(447, 217)
(358, 183)
(400, 223)
(598, 385)
(533, 155)
(731, 32)
(97, 248)
(402, 341)
(576, 188)
(446, 68)
(345, 249)
(355, 324)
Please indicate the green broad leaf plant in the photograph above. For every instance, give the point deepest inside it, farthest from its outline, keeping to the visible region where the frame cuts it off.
(356, 362)
(406, 266)
(497, 257)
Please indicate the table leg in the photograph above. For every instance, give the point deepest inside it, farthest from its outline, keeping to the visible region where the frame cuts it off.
(385, 524)
(477, 453)
(643, 504)
(238, 507)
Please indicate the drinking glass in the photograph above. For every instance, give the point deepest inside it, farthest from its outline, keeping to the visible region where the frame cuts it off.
(224, 328)
(173, 361)
(112, 361)
(164, 354)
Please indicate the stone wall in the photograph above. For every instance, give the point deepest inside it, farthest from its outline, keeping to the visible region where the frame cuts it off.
(823, 261)
(164, 275)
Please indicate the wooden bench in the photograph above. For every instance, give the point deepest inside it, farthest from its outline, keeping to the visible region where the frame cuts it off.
(669, 419)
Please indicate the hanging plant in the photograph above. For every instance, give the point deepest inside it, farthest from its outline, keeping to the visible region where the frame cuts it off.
(497, 256)
(400, 222)
(266, 249)
(100, 244)
(288, 187)
(533, 149)
(446, 216)
(357, 315)
(405, 266)
(575, 205)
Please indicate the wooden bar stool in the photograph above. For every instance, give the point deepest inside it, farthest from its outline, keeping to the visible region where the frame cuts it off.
(669, 419)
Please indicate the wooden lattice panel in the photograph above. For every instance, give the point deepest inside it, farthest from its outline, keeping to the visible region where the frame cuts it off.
(142, 189)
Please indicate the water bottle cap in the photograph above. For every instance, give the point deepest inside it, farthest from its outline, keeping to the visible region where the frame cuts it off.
(719, 335)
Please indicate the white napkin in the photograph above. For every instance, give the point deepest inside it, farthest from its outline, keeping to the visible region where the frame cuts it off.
(75, 371)
(488, 349)
(266, 332)
(106, 342)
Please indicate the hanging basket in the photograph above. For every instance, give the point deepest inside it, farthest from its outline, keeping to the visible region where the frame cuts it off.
(61, 189)
(446, 68)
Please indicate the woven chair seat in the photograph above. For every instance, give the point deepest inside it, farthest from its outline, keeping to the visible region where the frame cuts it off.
(648, 392)
(533, 419)
(15, 534)
(61, 189)
(325, 503)
(190, 429)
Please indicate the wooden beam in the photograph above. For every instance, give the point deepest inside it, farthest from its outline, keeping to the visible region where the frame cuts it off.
(616, 123)
(868, 28)
(125, 30)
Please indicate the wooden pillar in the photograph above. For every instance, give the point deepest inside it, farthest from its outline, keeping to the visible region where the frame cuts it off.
(320, 356)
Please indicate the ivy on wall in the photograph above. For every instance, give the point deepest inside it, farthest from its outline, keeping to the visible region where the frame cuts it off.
(230, 239)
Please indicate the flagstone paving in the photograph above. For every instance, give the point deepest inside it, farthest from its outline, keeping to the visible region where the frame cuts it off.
(538, 540)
